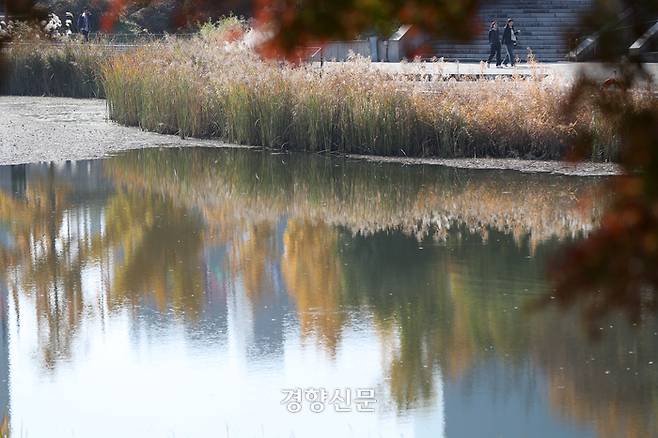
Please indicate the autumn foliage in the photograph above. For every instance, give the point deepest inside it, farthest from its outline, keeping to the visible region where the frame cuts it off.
(615, 268)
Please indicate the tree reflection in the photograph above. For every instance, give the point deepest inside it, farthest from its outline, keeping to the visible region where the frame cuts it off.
(314, 278)
(441, 263)
(151, 247)
(421, 295)
(41, 261)
(449, 306)
(253, 251)
(160, 253)
(610, 383)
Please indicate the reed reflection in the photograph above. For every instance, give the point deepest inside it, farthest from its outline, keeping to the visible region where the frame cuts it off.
(366, 197)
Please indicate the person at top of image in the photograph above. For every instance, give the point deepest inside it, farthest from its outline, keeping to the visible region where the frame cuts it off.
(510, 41)
(69, 24)
(84, 24)
(494, 44)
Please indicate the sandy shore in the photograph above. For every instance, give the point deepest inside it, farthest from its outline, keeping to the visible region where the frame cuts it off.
(34, 129)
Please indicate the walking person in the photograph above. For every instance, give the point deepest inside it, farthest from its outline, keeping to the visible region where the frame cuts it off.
(509, 41)
(83, 24)
(494, 44)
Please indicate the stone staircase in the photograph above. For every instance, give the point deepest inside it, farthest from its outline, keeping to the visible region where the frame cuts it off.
(544, 25)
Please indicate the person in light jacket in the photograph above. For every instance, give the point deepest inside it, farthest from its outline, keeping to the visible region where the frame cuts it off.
(494, 44)
(509, 41)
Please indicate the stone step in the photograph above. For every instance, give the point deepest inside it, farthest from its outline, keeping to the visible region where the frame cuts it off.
(543, 25)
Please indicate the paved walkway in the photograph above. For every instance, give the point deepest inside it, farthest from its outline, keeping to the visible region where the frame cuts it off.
(567, 71)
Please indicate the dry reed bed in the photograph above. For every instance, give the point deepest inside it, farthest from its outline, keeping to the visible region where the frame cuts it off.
(208, 87)
(43, 68)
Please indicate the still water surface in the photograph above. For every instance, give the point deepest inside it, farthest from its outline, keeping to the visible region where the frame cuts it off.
(178, 293)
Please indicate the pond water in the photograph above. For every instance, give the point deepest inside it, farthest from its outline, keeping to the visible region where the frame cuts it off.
(188, 292)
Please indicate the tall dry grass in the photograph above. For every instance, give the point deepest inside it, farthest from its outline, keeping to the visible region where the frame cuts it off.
(215, 86)
(66, 69)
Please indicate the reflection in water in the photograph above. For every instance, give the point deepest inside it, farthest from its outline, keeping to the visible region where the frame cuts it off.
(183, 290)
(314, 278)
(151, 269)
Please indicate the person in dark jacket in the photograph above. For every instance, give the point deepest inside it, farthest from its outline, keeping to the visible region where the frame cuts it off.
(509, 41)
(83, 24)
(494, 44)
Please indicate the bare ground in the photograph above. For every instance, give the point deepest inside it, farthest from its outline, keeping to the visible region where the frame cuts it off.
(34, 129)
(531, 166)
